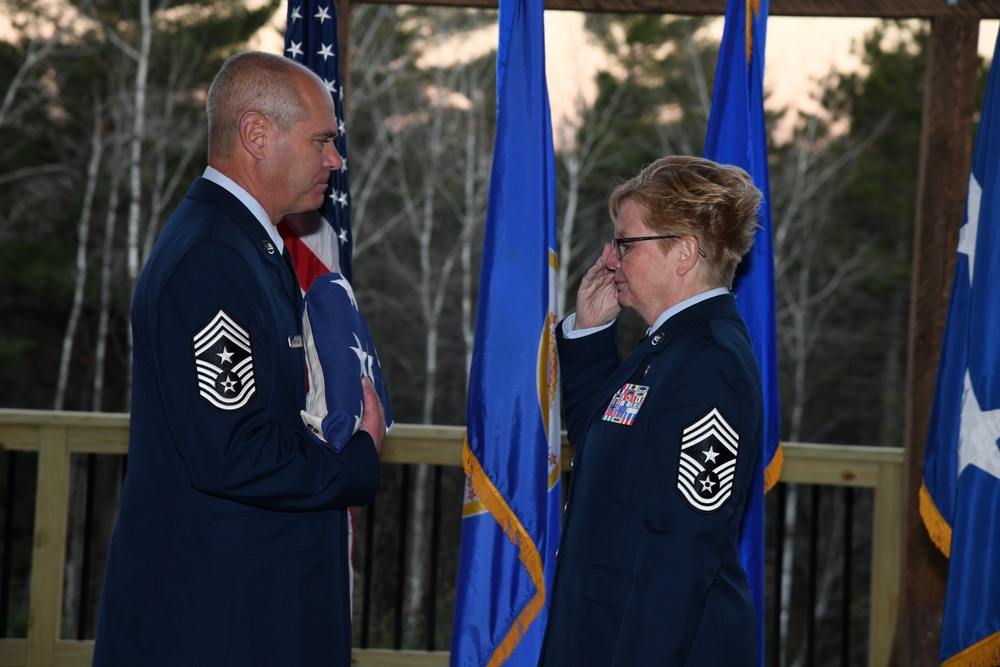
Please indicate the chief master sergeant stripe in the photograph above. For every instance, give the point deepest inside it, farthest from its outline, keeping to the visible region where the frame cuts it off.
(224, 362)
(707, 465)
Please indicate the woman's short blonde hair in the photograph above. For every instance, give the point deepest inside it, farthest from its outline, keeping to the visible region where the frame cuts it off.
(691, 196)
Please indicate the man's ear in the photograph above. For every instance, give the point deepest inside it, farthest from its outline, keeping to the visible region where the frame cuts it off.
(253, 134)
(687, 254)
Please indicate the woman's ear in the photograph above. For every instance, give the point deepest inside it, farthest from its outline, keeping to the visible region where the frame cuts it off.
(687, 254)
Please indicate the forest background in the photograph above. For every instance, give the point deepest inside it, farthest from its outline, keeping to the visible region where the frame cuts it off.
(102, 129)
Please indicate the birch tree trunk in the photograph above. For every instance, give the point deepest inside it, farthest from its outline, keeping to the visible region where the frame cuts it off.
(78, 471)
(82, 239)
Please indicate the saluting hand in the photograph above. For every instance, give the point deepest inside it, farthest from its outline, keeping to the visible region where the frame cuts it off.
(597, 298)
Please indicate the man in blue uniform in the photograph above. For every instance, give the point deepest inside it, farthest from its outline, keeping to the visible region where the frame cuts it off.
(648, 569)
(231, 543)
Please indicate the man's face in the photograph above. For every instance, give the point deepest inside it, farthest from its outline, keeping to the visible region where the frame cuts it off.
(304, 155)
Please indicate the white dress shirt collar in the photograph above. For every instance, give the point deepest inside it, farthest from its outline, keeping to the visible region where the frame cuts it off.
(223, 181)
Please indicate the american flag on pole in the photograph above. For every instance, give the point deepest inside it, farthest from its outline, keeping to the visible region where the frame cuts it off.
(320, 241)
(737, 136)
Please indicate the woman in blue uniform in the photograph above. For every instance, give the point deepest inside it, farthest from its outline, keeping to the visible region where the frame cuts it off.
(648, 569)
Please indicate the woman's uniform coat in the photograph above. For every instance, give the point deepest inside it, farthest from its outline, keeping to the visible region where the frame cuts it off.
(231, 543)
(648, 570)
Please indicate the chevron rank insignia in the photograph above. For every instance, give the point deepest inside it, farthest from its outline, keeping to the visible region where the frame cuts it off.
(224, 362)
(709, 447)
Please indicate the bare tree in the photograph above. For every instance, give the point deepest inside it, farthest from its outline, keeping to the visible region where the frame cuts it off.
(423, 144)
(815, 169)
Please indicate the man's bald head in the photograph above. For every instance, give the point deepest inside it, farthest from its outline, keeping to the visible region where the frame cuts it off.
(253, 81)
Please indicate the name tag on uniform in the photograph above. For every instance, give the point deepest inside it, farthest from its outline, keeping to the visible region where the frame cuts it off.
(625, 404)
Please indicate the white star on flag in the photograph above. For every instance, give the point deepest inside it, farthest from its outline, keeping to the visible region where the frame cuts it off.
(978, 434)
(322, 13)
(970, 230)
(364, 358)
(347, 288)
(295, 49)
(326, 50)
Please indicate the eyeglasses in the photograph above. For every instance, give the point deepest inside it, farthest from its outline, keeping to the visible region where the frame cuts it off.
(620, 244)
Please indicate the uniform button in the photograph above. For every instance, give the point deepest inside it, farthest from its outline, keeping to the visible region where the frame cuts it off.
(558, 553)
(572, 463)
(565, 507)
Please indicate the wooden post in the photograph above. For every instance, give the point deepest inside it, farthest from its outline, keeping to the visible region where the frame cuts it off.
(885, 563)
(49, 550)
(945, 162)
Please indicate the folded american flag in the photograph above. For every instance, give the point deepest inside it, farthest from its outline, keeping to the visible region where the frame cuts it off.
(339, 352)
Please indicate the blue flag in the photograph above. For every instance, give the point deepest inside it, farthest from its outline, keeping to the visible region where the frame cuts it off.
(511, 514)
(960, 496)
(737, 135)
(320, 241)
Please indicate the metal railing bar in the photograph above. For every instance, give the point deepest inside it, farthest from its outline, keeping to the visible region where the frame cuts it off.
(404, 513)
(83, 607)
(366, 608)
(8, 541)
(847, 578)
(813, 575)
(435, 561)
(779, 560)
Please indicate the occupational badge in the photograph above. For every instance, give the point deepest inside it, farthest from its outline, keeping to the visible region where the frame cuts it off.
(709, 447)
(224, 362)
(625, 404)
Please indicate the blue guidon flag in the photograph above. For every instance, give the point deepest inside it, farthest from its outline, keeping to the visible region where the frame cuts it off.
(737, 135)
(338, 353)
(511, 510)
(960, 495)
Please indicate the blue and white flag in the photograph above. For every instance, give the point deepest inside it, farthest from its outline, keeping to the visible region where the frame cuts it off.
(737, 135)
(320, 241)
(960, 496)
(511, 515)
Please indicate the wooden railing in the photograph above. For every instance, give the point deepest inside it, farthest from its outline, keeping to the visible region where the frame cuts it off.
(55, 436)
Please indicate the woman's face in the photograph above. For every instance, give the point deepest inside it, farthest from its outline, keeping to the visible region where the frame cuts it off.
(643, 276)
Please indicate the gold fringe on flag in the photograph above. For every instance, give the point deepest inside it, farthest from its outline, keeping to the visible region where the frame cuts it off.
(773, 470)
(527, 553)
(937, 527)
(981, 654)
